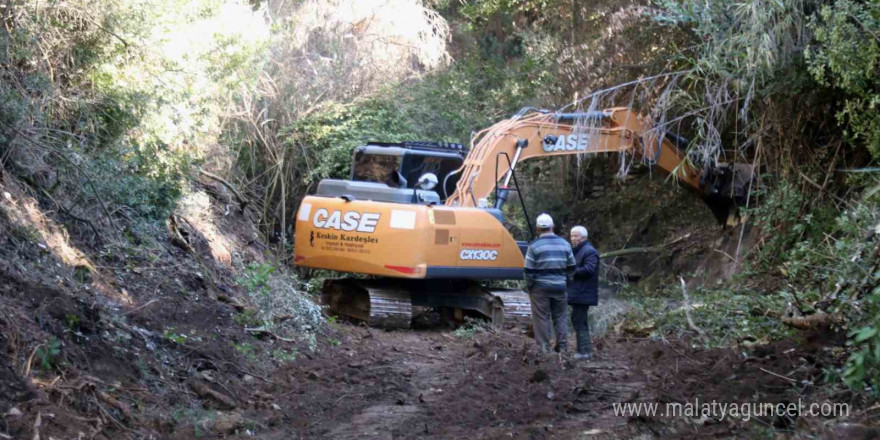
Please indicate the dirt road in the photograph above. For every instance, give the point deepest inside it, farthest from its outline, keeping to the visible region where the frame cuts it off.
(493, 385)
(368, 383)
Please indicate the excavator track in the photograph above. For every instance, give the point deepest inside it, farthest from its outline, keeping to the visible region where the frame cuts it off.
(389, 303)
(374, 302)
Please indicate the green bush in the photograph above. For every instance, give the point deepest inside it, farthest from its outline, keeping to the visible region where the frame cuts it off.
(828, 259)
(331, 134)
(103, 93)
(847, 57)
(144, 180)
(446, 106)
(281, 308)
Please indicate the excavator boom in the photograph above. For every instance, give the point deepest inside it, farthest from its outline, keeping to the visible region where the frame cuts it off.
(499, 148)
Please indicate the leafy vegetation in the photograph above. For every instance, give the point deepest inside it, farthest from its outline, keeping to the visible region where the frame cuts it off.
(729, 315)
(847, 57)
(279, 308)
(49, 354)
(103, 101)
(471, 328)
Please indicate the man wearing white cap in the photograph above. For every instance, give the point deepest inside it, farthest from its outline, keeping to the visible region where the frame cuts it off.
(549, 265)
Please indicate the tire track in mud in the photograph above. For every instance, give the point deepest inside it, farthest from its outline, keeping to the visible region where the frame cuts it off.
(427, 371)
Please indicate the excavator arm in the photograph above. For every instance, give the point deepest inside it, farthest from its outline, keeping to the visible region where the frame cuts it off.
(496, 151)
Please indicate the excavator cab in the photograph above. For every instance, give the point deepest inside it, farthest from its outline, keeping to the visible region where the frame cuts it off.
(400, 165)
(391, 172)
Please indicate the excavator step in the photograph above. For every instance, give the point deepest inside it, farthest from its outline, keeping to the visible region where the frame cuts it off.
(517, 307)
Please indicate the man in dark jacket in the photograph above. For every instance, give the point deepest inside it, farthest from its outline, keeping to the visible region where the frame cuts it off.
(583, 289)
(549, 264)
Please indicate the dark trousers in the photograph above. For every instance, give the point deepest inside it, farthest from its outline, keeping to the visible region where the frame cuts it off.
(549, 310)
(581, 324)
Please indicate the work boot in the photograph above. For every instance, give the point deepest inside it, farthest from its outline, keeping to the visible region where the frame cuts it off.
(561, 347)
(584, 346)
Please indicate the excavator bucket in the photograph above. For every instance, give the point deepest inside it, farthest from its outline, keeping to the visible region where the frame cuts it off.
(726, 189)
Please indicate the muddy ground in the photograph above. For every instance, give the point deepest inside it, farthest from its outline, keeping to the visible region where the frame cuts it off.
(494, 385)
(427, 383)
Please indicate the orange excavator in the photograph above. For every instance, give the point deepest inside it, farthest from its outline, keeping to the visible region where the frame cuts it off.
(416, 225)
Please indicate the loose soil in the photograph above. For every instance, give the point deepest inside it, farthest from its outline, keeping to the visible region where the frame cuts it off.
(431, 384)
(371, 383)
(151, 346)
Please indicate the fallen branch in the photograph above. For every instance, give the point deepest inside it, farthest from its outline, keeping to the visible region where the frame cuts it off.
(820, 319)
(820, 188)
(108, 399)
(30, 361)
(264, 331)
(642, 250)
(412, 353)
(205, 392)
(242, 200)
(140, 307)
(176, 236)
(37, 423)
(687, 310)
(778, 375)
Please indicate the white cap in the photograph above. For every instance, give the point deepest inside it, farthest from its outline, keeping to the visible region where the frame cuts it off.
(544, 221)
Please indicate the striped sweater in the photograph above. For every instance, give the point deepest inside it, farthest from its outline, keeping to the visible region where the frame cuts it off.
(549, 263)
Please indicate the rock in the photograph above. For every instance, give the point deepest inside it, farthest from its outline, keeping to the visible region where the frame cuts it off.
(223, 422)
(14, 412)
(539, 376)
(248, 378)
(639, 329)
(276, 407)
(853, 431)
(633, 272)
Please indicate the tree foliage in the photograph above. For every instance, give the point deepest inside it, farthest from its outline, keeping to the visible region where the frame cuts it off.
(847, 57)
